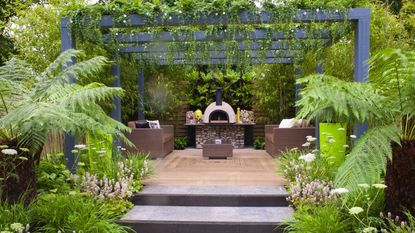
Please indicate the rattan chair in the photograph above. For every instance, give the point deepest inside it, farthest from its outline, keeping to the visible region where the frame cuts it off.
(281, 139)
(157, 142)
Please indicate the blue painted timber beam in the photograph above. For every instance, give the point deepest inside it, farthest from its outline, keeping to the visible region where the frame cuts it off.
(140, 82)
(144, 37)
(68, 42)
(116, 111)
(159, 47)
(225, 61)
(247, 17)
(222, 55)
(242, 46)
(361, 57)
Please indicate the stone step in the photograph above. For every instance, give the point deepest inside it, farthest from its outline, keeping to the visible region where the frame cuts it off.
(206, 219)
(212, 195)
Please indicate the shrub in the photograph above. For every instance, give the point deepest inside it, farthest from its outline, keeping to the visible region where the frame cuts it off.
(180, 143)
(68, 213)
(14, 214)
(324, 219)
(259, 143)
(52, 175)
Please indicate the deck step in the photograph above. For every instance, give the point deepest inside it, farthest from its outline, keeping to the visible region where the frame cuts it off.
(206, 219)
(212, 195)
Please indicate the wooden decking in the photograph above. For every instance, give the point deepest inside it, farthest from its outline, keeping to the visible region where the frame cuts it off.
(248, 167)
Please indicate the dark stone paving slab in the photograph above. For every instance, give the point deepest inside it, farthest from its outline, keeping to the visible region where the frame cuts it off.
(218, 190)
(214, 215)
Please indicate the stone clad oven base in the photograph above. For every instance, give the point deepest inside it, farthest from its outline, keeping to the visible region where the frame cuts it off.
(232, 133)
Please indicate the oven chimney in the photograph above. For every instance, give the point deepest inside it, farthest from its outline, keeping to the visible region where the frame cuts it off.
(219, 96)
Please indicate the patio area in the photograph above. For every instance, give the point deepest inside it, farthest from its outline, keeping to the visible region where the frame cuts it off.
(248, 167)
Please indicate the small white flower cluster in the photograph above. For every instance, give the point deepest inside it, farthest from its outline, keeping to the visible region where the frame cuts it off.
(105, 188)
(9, 151)
(316, 192)
(310, 139)
(144, 170)
(308, 157)
(16, 228)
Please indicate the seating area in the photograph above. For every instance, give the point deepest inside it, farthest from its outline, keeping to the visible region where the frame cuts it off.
(279, 139)
(157, 142)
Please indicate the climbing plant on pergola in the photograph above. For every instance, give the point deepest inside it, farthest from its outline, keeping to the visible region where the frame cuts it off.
(278, 50)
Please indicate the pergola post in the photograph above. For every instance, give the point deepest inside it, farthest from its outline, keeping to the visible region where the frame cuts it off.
(116, 111)
(68, 42)
(298, 74)
(361, 57)
(140, 82)
(320, 70)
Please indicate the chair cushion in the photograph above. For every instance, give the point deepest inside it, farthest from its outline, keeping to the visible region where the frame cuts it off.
(140, 125)
(154, 124)
(287, 123)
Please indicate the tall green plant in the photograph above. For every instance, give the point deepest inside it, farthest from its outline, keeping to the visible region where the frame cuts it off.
(386, 103)
(35, 103)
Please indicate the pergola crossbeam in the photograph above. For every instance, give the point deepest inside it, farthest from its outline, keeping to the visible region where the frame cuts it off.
(247, 17)
(223, 35)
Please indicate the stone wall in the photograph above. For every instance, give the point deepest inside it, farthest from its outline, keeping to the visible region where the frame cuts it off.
(232, 133)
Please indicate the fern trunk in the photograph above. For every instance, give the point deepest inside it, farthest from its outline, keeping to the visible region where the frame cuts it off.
(400, 179)
(19, 176)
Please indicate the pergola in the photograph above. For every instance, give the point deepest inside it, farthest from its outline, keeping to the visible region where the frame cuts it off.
(278, 51)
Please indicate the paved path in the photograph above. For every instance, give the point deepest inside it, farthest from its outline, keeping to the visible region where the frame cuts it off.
(248, 167)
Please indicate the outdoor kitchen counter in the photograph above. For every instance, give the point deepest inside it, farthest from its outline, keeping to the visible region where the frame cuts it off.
(240, 134)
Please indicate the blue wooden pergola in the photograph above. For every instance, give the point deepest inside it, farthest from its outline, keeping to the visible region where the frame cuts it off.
(154, 46)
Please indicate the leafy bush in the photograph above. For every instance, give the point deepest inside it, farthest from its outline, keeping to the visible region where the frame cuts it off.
(68, 213)
(180, 143)
(52, 175)
(259, 143)
(14, 213)
(324, 219)
(292, 163)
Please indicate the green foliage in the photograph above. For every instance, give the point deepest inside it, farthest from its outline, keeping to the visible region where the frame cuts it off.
(324, 219)
(274, 92)
(386, 29)
(407, 15)
(366, 163)
(69, 213)
(259, 143)
(52, 175)
(332, 100)
(52, 103)
(237, 88)
(14, 213)
(290, 165)
(399, 225)
(164, 93)
(392, 73)
(180, 143)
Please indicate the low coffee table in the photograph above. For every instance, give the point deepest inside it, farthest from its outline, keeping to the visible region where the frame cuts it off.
(214, 151)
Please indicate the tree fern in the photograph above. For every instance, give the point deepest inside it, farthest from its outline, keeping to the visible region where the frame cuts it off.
(332, 100)
(392, 72)
(366, 163)
(48, 101)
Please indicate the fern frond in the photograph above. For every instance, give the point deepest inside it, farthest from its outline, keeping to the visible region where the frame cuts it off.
(332, 100)
(366, 163)
(61, 62)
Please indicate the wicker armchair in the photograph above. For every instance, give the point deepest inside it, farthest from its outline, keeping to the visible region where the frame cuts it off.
(280, 139)
(157, 142)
